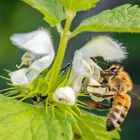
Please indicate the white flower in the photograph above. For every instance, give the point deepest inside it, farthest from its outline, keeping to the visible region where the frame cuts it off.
(39, 55)
(84, 66)
(65, 95)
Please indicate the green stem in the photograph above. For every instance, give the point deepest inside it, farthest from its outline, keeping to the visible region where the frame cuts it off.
(61, 49)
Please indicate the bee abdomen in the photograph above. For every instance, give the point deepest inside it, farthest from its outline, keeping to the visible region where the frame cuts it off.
(118, 111)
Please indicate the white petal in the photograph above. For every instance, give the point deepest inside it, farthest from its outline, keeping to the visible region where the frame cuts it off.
(31, 75)
(93, 82)
(80, 66)
(18, 77)
(65, 95)
(83, 67)
(92, 89)
(43, 62)
(105, 47)
(38, 41)
(24, 76)
(96, 70)
(77, 83)
(38, 66)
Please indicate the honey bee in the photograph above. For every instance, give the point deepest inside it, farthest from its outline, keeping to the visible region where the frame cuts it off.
(120, 82)
(117, 83)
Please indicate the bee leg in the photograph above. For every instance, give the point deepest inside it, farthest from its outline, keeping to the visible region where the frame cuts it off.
(104, 85)
(106, 96)
(95, 105)
(109, 93)
(110, 102)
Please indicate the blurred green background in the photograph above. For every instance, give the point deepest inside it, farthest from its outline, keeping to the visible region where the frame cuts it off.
(15, 16)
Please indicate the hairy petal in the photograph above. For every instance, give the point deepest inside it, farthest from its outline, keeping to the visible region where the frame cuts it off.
(105, 47)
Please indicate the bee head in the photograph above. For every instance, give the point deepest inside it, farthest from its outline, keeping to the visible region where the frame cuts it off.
(112, 70)
(115, 68)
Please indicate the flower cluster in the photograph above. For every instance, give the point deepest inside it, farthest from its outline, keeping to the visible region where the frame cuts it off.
(40, 54)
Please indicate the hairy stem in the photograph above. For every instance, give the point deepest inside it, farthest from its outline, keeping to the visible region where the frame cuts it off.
(61, 49)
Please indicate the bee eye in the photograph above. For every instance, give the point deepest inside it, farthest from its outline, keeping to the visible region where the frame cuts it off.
(113, 70)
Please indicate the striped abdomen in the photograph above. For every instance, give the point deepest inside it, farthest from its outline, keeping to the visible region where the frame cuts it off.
(118, 111)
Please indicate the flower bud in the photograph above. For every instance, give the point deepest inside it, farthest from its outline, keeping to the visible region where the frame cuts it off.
(65, 95)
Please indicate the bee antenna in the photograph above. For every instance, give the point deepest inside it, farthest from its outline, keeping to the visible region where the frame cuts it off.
(66, 67)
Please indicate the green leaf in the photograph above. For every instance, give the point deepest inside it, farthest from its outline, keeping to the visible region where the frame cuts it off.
(21, 121)
(92, 127)
(51, 9)
(125, 18)
(79, 5)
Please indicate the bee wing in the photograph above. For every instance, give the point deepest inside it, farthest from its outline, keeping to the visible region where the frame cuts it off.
(135, 95)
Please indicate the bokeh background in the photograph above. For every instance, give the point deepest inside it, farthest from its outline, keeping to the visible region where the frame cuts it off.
(15, 16)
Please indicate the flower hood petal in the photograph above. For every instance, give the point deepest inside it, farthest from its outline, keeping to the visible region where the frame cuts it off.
(38, 41)
(105, 47)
